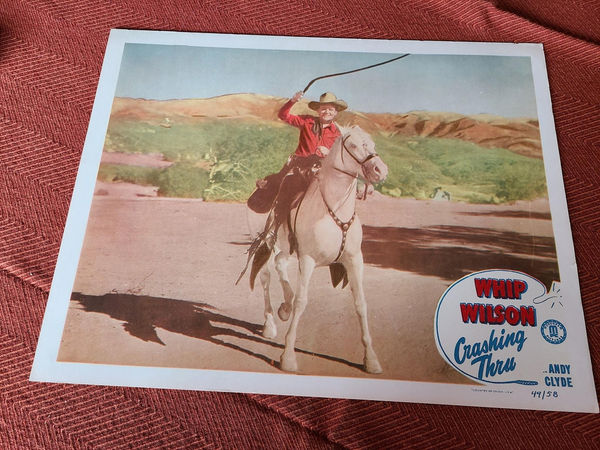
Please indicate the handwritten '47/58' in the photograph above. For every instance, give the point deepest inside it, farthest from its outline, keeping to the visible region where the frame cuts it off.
(544, 394)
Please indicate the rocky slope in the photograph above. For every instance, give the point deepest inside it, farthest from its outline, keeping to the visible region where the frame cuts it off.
(515, 134)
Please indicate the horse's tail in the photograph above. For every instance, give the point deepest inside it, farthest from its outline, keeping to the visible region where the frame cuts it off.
(261, 257)
(259, 253)
(338, 274)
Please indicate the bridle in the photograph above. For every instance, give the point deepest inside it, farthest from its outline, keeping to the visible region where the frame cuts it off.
(369, 157)
(360, 163)
(345, 226)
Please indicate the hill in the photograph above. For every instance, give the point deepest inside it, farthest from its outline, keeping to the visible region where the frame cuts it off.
(217, 148)
(517, 135)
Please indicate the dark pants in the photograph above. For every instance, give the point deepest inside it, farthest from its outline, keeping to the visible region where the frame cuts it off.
(283, 189)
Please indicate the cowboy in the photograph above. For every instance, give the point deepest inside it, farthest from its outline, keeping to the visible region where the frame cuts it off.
(317, 135)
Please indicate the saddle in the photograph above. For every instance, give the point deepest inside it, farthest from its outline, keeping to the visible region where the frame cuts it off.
(281, 187)
(263, 197)
(278, 194)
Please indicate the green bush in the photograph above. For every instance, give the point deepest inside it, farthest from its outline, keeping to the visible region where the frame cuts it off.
(182, 180)
(145, 176)
(471, 173)
(221, 160)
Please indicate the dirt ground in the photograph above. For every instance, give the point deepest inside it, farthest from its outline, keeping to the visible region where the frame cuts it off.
(155, 284)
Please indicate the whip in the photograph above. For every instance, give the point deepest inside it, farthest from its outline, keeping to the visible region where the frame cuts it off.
(352, 71)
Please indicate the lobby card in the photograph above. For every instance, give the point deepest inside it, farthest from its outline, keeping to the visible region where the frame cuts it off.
(343, 218)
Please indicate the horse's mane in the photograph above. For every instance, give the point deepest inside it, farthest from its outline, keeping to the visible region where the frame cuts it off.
(355, 130)
(345, 129)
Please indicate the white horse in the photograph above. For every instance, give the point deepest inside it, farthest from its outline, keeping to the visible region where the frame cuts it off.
(328, 233)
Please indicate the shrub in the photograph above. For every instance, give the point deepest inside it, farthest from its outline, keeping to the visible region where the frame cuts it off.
(145, 176)
(182, 180)
(221, 159)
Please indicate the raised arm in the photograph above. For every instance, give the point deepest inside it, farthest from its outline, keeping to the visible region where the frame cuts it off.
(284, 112)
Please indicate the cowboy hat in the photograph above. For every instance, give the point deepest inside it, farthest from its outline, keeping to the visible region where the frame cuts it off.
(327, 98)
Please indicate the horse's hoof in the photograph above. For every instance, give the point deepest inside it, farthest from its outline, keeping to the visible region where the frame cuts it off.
(269, 328)
(288, 364)
(373, 366)
(284, 311)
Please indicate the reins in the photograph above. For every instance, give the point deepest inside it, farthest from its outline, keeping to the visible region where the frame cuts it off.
(344, 226)
(360, 163)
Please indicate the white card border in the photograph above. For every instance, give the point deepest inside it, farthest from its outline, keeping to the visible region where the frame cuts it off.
(47, 368)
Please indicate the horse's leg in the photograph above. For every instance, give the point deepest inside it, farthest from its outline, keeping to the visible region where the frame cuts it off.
(354, 266)
(306, 266)
(269, 328)
(281, 262)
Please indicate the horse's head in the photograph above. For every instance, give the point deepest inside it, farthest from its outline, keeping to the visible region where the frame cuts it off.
(360, 147)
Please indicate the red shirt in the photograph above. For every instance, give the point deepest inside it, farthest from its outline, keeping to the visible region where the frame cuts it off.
(309, 140)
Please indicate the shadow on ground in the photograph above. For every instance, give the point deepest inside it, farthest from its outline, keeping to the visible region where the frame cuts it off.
(447, 252)
(512, 214)
(144, 314)
(451, 252)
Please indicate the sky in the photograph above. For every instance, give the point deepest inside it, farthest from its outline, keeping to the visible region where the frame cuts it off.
(466, 84)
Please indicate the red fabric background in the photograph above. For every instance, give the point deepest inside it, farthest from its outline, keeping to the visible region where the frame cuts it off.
(50, 57)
